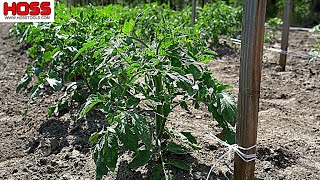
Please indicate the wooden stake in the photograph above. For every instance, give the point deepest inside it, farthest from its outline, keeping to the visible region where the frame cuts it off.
(194, 5)
(285, 35)
(70, 7)
(249, 84)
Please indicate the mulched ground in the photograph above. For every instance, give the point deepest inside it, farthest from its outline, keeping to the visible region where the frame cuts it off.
(57, 148)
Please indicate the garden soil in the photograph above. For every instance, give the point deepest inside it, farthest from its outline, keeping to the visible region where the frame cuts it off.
(38, 147)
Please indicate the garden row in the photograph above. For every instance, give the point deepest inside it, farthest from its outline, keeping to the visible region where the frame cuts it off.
(134, 65)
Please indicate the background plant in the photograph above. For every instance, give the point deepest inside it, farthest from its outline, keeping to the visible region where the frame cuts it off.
(273, 24)
(315, 51)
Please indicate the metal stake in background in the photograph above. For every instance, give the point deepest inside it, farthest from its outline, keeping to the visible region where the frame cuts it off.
(285, 35)
(252, 38)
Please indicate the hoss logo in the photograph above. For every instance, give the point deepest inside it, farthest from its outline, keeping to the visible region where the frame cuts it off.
(26, 10)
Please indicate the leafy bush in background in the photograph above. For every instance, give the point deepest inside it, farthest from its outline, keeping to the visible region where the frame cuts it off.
(273, 24)
(304, 12)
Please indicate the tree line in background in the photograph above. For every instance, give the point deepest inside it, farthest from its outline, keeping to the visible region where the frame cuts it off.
(304, 13)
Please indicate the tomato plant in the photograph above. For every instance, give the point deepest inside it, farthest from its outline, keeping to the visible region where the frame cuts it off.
(133, 68)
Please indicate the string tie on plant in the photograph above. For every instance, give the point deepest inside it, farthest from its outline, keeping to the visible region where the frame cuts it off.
(233, 148)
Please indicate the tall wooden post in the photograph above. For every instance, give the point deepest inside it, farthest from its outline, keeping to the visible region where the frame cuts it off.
(194, 5)
(249, 84)
(285, 34)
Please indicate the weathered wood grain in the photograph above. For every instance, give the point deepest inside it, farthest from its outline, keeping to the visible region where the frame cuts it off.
(249, 84)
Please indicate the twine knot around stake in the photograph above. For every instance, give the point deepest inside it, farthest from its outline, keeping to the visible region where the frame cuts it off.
(283, 52)
(233, 148)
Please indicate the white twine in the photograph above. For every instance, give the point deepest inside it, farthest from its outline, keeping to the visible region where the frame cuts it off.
(284, 52)
(233, 148)
(292, 53)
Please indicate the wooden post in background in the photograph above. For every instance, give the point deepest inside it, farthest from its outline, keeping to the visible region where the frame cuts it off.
(193, 16)
(285, 34)
(252, 38)
(70, 4)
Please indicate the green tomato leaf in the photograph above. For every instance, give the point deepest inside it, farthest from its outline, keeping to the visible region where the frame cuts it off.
(140, 159)
(94, 137)
(84, 48)
(206, 58)
(23, 83)
(156, 172)
(190, 138)
(177, 149)
(184, 105)
(166, 109)
(55, 83)
(227, 135)
(218, 117)
(196, 73)
(129, 138)
(51, 110)
(227, 107)
(179, 164)
(128, 26)
(92, 100)
(230, 136)
(62, 105)
(47, 55)
(210, 52)
(142, 128)
(106, 155)
(97, 53)
(132, 102)
(35, 93)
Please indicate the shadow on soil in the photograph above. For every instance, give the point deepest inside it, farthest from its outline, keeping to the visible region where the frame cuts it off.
(199, 171)
(55, 134)
(280, 158)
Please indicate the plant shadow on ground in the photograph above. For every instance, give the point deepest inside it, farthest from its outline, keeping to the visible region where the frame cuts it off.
(198, 170)
(224, 50)
(57, 132)
(280, 158)
(51, 139)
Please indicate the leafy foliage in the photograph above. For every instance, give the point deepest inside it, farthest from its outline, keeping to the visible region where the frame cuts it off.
(315, 51)
(130, 67)
(273, 24)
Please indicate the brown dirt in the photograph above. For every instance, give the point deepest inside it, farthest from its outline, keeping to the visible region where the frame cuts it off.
(57, 148)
